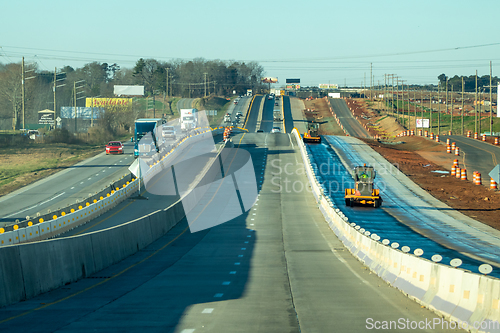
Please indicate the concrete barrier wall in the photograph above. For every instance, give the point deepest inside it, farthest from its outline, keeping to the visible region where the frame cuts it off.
(31, 268)
(469, 299)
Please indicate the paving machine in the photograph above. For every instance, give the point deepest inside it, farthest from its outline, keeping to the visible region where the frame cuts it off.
(363, 193)
(312, 134)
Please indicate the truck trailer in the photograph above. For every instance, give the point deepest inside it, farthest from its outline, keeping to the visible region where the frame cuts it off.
(142, 128)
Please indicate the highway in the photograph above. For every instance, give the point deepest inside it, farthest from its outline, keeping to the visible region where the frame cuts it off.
(72, 184)
(253, 114)
(352, 126)
(276, 268)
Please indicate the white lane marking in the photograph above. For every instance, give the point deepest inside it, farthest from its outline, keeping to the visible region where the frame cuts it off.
(252, 224)
(240, 256)
(72, 188)
(89, 179)
(35, 205)
(246, 242)
(226, 283)
(243, 248)
(249, 235)
(188, 330)
(208, 310)
(237, 263)
(109, 168)
(57, 196)
(218, 295)
(81, 183)
(232, 272)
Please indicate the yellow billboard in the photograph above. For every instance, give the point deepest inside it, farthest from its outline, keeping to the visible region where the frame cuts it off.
(104, 102)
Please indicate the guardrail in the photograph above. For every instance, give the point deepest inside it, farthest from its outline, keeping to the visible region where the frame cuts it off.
(469, 300)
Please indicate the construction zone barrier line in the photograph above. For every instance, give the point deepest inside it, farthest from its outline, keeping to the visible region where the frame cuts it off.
(454, 293)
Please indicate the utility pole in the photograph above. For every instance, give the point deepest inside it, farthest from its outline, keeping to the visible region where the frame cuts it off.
(446, 97)
(491, 103)
(55, 83)
(430, 110)
(439, 110)
(462, 105)
(371, 81)
(206, 84)
(475, 107)
(451, 111)
(168, 94)
(22, 92)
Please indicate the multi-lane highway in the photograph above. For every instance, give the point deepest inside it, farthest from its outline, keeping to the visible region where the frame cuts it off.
(276, 268)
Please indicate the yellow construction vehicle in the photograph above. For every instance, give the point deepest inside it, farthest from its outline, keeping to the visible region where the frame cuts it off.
(364, 193)
(312, 134)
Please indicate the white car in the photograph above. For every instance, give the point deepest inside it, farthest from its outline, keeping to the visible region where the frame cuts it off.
(168, 132)
(276, 130)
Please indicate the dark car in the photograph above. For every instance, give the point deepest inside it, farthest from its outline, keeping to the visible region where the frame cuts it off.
(114, 147)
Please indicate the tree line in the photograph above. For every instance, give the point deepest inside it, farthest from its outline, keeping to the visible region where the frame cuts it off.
(180, 78)
(469, 82)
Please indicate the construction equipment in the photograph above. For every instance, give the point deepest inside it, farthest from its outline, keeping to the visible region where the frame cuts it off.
(312, 134)
(364, 193)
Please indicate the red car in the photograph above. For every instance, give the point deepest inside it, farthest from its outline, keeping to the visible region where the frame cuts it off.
(114, 147)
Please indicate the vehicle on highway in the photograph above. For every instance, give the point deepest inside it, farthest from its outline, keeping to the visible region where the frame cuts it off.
(235, 101)
(239, 114)
(270, 97)
(144, 127)
(114, 147)
(227, 118)
(364, 192)
(260, 131)
(189, 119)
(276, 130)
(168, 132)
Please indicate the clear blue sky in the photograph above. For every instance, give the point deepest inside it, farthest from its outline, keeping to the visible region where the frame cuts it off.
(320, 41)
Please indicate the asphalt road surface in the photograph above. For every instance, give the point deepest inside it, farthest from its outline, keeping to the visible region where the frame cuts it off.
(352, 126)
(276, 268)
(253, 114)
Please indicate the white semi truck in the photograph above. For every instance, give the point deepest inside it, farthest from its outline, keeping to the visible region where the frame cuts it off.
(189, 119)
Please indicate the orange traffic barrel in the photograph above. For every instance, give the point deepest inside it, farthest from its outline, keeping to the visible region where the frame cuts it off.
(448, 149)
(419, 132)
(455, 162)
(475, 135)
(468, 134)
(432, 136)
(426, 133)
(453, 170)
(449, 132)
(496, 141)
(457, 172)
(463, 174)
(437, 137)
(493, 184)
(457, 151)
(484, 137)
(412, 133)
(448, 141)
(477, 178)
(453, 146)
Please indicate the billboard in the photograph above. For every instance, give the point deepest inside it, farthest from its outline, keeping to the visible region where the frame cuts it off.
(328, 86)
(128, 90)
(293, 86)
(422, 123)
(270, 80)
(46, 117)
(498, 100)
(104, 102)
(292, 80)
(68, 112)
